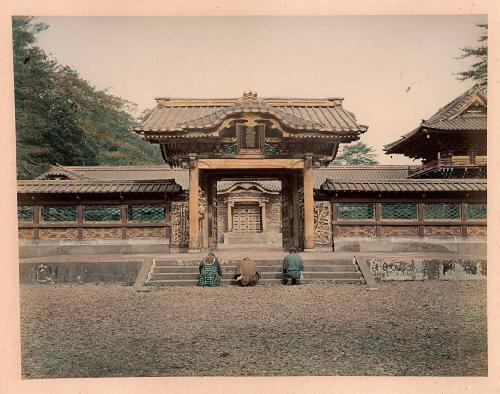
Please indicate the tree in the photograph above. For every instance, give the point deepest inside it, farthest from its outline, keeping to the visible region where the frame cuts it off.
(356, 154)
(61, 118)
(479, 70)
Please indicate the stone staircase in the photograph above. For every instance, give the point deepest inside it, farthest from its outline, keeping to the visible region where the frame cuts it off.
(170, 272)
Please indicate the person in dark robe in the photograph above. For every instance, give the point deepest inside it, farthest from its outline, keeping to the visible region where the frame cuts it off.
(246, 273)
(210, 271)
(293, 267)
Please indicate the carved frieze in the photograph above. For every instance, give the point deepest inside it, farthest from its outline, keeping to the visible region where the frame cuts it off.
(356, 231)
(477, 231)
(399, 231)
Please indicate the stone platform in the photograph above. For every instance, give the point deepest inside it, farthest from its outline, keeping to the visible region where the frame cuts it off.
(319, 266)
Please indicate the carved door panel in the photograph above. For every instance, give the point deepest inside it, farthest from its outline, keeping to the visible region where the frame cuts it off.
(253, 219)
(239, 222)
(246, 218)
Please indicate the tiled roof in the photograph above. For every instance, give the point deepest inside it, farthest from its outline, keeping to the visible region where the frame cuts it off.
(121, 173)
(151, 179)
(181, 176)
(299, 114)
(358, 172)
(448, 118)
(460, 123)
(38, 186)
(407, 185)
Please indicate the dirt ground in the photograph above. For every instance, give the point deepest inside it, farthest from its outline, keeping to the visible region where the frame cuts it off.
(406, 328)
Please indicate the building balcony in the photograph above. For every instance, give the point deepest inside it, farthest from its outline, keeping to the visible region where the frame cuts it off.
(459, 163)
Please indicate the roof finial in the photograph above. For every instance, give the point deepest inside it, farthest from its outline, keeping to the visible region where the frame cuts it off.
(249, 95)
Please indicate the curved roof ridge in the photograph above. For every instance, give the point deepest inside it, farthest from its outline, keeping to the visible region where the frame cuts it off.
(254, 106)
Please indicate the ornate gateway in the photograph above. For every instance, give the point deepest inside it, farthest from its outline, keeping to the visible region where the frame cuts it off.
(250, 138)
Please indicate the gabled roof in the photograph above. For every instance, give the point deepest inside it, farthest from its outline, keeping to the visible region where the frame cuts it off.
(177, 115)
(453, 117)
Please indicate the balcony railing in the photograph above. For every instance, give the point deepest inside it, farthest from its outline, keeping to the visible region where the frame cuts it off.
(448, 162)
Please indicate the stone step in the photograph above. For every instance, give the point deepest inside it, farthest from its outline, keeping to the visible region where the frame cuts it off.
(227, 282)
(243, 239)
(272, 262)
(260, 268)
(266, 275)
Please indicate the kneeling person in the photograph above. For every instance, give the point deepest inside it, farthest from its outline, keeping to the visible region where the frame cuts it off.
(292, 267)
(210, 271)
(246, 273)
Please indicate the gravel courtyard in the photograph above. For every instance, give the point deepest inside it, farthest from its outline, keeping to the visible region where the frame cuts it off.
(406, 328)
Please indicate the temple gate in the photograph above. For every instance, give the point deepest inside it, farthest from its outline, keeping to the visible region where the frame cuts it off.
(247, 139)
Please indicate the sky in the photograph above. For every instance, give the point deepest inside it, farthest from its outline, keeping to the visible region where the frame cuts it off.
(392, 71)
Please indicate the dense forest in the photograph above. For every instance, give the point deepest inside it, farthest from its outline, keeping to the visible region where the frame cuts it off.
(62, 118)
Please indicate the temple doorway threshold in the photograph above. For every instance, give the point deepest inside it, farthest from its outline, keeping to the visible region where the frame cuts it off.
(263, 249)
(251, 239)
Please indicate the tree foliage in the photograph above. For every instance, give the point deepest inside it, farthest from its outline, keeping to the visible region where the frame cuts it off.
(61, 118)
(356, 154)
(478, 71)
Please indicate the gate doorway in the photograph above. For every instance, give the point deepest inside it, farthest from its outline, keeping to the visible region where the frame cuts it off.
(247, 216)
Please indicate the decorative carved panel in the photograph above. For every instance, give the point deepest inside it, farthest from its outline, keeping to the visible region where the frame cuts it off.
(299, 199)
(221, 216)
(113, 232)
(25, 233)
(273, 212)
(442, 231)
(179, 236)
(356, 231)
(399, 231)
(323, 222)
(58, 233)
(202, 204)
(146, 232)
(477, 231)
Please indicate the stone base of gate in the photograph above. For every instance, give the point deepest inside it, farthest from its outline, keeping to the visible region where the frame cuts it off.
(468, 246)
(266, 238)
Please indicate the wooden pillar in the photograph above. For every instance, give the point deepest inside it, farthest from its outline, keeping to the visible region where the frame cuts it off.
(294, 212)
(262, 205)
(36, 221)
(211, 194)
(378, 227)
(205, 220)
(123, 220)
(285, 208)
(194, 229)
(420, 218)
(463, 219)
(213, 231)
(80, 220)
(229, 215)
(308, 205)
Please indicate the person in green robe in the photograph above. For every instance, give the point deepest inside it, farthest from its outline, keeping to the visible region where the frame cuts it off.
(293, 267)
(210, 271)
